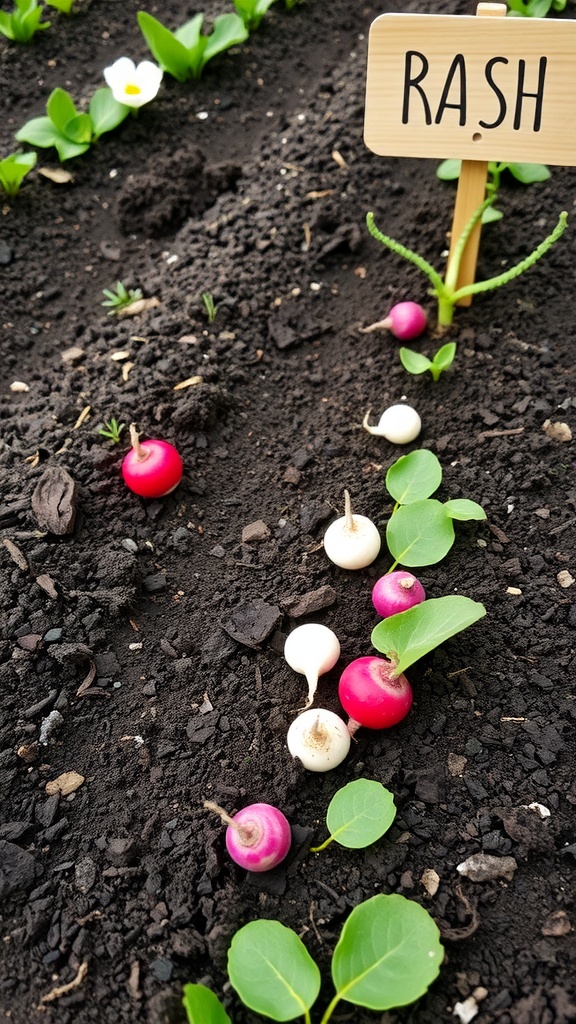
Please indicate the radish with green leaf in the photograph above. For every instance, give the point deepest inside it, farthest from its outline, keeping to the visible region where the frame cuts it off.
(396, 592)
(373, 694)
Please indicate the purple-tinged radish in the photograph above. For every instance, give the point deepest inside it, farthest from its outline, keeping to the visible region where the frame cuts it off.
(319, 739)
(312, 650)
(406, 321)
(352, 542)
(257, 838)
(373, 695)
(399, 424)
(397, 592)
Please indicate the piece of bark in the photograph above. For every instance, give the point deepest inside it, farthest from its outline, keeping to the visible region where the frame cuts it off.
(54, 501)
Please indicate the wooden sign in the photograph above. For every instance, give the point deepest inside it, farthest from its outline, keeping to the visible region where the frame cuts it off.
(488, 88)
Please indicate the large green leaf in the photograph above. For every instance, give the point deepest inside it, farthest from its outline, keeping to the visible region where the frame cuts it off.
(272, 971)
(388, 954)
(408, 636)
(464, 509)
(202, 1006)
(166, 49)
(414, 476)
(360, 813)
(60, 109)
(106, 113)
(420, 534)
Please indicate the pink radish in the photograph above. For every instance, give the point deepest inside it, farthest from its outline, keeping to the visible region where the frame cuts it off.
(406, 320)
(151, 468)
(397, 592)
(372, 695)
(258, 837)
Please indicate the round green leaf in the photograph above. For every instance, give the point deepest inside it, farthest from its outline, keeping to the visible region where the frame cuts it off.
(414, 476)
(388, 954)
(421, 533)
(272, 971)
(408, 636)
(202, 1006)
(528, 174)
(449, 170)
(414, 362)
(464, 509)
(360, 813)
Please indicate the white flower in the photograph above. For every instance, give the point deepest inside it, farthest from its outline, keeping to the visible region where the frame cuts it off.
(133, 86)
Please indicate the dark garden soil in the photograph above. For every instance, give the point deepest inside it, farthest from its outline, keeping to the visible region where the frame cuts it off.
(156, 628)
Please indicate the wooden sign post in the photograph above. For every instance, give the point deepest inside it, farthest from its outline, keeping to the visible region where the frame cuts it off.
(472, 88)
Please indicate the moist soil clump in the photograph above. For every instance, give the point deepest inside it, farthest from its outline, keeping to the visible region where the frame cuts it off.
(141, 644)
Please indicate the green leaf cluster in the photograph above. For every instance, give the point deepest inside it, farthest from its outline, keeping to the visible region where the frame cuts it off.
(525, 174)
(69, 131)
(417, 362)
(185, 52)
(13, 170)
(252, 11)
(23, 22)
(64, 6)
(388, 954)
(358, 815)
(534, 8)
(120, 297)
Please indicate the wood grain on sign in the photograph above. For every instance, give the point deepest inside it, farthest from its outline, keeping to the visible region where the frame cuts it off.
(473, 88)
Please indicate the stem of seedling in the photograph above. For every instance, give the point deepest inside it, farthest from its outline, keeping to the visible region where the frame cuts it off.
(247, 835)
(141, 453)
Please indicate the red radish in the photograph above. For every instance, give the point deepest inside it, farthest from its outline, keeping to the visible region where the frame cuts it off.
(397, 592)
(258, 837)
(151, 468)
(372, 695)
(406, 320)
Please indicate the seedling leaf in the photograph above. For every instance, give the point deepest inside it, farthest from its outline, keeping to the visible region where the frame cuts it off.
(79, 129)
(166, 49)
(359, 814)
(189, 33)
(38, 132)
(272, 971)
(528, 174)
(420, 533)
(106, 113)
(449, 170)
(229, 30)
(414, 362)
(202, 1006)
(388, 954)
(60, 109)
(408, 636)
(414, 476)
(464, 509)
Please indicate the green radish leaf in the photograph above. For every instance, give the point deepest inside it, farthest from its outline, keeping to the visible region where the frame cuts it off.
(60, 109)
(189, 33)
(464, 509)
(444, 357)
(528, 174)
(105, 112)
(408, 636)
(38, 132)
(272, 971)
(414, 362)
(228, 30)
(202, 1006)
(414, 476)
(360, 813)
(166, 49)
(449, 170)
(388, 954)
(420, 533)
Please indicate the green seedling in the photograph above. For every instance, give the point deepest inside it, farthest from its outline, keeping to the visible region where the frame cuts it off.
(388, 954)
(185, 52)
(252, 11)
(120, 297)
(13, 170)
(534, 8)
(406, 637)
(446, 291)
(416, 362)
(69, 131)
(358, 815)
(209, 306)
(23, 22)
(525, 174)
(112, 430)
(64, 6)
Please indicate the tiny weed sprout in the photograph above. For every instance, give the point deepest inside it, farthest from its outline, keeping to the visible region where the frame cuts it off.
(406, 321)
(312, 649)
(257, 838)
(22, 23)
(151, 468)
(133, 85)
(319, 739)
(352, 542)
(358, 815)
(388, 954)
(446, 291)
(374, 694)
(13, 170)
(397, 592)
(112, 430)
(209, 306)
(120, 297)
(185, 52)
(416, 363)
(252, 11)
(69, 131)
(399, 424)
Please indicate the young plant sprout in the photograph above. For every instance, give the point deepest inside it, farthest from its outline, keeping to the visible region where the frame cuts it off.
(319, 739)
(353, 541)
(70, 130)
(252, 11)
(373, 694)
(406, 321)
(63, 6)
(133, 85)
(210, 306)
(397, 592)
(120, 297)
(525, 174)
(13, 170)
(257, 838)
(446, 291)
(358, 814)
(151, 468)
(416, 362)
(312, 649)
(112, 430)
(399, 424)
(22, 23)
(185, 52)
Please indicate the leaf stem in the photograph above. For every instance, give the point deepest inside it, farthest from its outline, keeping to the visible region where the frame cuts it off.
(330, 1009)
(318, 849)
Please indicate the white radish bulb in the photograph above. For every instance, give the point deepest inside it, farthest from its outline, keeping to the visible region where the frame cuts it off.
(353, 541)
(319, 739)
(312, 650)
(399, 424)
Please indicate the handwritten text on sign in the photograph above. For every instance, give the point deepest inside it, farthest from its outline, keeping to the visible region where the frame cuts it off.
(472, 88)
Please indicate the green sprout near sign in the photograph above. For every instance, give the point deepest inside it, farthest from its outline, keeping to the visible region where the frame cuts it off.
(416, 362)
(534, 8)
(185, 52)
(446, 291)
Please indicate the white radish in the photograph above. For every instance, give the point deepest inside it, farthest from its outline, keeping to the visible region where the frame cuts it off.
(319, 739)
(399, 424)
(312, 650)
(353, 541)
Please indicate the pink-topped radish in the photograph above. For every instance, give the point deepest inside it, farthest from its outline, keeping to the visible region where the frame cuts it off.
(397, 592)
(373, 695)
(406, 321)
(151, 468)
(257, 838)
